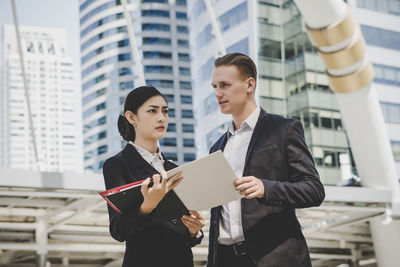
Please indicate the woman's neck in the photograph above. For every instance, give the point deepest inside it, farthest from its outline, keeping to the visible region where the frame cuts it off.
(149, 145)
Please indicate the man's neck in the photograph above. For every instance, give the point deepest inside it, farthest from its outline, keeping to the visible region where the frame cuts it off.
(149, 145)
(242, 115)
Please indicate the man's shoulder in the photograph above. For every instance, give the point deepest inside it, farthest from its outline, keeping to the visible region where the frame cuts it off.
(279, 120)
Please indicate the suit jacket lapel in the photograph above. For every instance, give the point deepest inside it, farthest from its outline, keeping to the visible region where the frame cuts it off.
(137, 161)
(222, 143)
(262, 118)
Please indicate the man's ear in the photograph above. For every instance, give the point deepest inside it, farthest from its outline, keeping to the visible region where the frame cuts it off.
(251, 85)
(130, 117)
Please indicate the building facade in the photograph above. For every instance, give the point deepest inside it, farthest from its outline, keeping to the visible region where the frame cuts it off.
(52, 93)
(109, 73)
(292, 80)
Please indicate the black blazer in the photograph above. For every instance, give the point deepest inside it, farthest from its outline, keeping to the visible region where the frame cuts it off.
(167, 244)
(278, 155)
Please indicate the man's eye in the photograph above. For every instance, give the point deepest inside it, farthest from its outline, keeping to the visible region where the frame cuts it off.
(165, 111)
(152, 110)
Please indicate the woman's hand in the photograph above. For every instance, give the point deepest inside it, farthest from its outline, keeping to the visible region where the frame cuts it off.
(161, 186)
(194, 222)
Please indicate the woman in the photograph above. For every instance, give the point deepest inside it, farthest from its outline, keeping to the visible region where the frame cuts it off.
(168, 244)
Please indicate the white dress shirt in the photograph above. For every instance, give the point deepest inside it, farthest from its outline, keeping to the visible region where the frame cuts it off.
(230, 227)
(156, 160)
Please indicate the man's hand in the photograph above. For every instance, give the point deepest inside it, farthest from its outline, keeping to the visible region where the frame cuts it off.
(161, 186)
(194, 222)
(250, 187)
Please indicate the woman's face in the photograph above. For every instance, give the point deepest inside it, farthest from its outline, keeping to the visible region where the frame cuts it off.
(151, 119)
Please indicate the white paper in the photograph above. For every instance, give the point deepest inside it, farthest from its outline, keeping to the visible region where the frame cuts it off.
(207, 183)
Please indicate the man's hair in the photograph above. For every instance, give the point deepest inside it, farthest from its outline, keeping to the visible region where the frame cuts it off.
(243, 63)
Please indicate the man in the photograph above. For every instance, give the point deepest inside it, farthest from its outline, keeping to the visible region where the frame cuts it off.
(276, 175)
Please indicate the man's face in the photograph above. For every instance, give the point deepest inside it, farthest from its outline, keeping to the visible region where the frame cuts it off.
(231, 89)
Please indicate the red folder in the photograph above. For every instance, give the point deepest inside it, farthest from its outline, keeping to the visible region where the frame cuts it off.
(124, 197)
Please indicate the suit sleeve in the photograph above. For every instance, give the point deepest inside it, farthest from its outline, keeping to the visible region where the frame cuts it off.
(303, 187)
(122, 225)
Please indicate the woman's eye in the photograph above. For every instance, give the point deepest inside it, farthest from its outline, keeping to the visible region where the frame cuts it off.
(152, 110)
(165, 111)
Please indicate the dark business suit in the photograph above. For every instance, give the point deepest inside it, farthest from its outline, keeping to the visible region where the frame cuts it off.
(167, 244)
(277, 154)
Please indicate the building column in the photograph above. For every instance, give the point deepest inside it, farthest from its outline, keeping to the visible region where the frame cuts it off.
(385, 235)
(41, 241)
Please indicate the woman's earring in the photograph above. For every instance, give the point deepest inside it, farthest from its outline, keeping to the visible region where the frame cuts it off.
(134, 125)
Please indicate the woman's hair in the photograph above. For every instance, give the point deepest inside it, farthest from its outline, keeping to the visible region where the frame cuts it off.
(133, 101)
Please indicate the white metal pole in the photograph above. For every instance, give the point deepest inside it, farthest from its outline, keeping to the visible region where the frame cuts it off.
(133, 43)
(215, 27)
(27, 98)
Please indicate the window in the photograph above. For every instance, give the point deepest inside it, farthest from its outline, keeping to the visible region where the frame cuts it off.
(337, 123)
(204, 37)
(102, 149)
(183, 57)
(158, 69)
(188, 142)
(155, 27)
(381, 38)
(314, 120)
(156, 41)
(329, 159)
(102, 135)
(170, 98)
(171, 156)
(396, 150)
(182, 29)
(233, 16)
(385, 6)
(183, 43)
(155, 1)
(171, 127)
(189, 157)
(391, 112)
(186, 99)
(188, 128)
(197, 8)
(185, 85)
(168, 142)
(187, 113)
(326, 123)
(160, 83)
(155, 13)
(156, 54)
(387, 74)
(184, 71)
(171, 112)
(181, 15)
(180, 2)
(240, 47)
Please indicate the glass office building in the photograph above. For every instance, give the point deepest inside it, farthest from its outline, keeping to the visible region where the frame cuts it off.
(292, 80)
(109, 72)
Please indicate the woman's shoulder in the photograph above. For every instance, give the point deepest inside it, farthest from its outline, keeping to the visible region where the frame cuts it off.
(114, 161)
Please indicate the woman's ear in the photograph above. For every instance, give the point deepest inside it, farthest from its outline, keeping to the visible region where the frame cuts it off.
(130, 117)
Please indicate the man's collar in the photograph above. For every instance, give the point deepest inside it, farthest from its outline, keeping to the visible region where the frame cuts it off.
(251, 121)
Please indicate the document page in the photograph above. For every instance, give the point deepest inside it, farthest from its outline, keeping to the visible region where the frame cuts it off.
(207, 182)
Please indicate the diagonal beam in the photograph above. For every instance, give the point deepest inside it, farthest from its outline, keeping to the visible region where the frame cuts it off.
(27, 99)
(76, 214)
